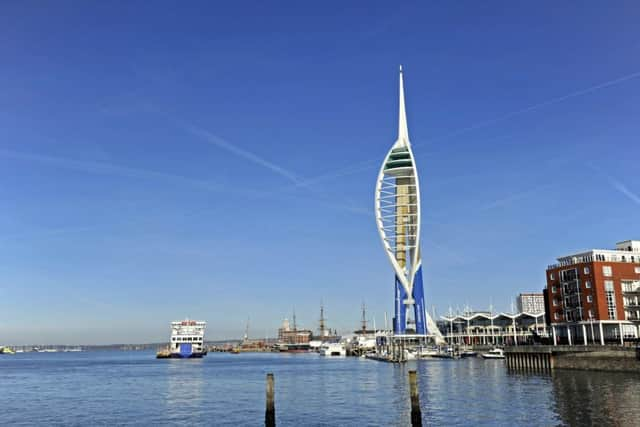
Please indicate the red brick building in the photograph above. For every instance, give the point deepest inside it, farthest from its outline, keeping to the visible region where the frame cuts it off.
(595, 295)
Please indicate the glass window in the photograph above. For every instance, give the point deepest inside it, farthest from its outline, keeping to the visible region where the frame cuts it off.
(638, 270)
(589, 298)
(608, 285)
(552, 278)
(555, 302)
(586, 270)
(611, 299)
(606, 270)
(587, 284)
(553, 289)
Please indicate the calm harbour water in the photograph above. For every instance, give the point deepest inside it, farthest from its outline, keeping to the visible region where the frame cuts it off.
(133, 388)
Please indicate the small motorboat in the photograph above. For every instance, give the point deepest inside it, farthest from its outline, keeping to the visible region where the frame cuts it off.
(468, 353)
(496, 353)
(333, 349)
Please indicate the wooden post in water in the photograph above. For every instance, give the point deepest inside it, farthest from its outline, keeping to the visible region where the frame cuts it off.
(416, 415)
(270, 413)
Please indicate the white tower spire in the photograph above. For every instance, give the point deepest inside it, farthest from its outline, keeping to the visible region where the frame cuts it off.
(403, 131)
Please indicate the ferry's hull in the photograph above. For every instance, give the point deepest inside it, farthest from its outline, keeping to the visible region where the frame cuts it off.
(187, 356)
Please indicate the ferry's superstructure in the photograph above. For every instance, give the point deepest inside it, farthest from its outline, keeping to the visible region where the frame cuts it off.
(187, 339)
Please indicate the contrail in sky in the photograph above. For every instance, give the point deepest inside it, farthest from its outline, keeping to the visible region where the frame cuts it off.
(539, 105)
(486, 123)
(617, 185)
(624, 190)
(513, 197)
(226, 145)
(277, 169)
(111, 169)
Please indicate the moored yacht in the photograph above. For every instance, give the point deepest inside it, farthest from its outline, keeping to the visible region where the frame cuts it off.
(496, 353)
(333, 349)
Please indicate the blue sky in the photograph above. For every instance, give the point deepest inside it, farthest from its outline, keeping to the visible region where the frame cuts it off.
(218, 161)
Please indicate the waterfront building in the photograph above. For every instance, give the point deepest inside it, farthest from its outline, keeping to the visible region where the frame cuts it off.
(486, 328)
(594, 296)
(530, 303)
(397, 210)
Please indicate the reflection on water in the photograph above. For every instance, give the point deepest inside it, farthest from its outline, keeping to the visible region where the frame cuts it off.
(185, 382)
(133, 388)
(597, 398)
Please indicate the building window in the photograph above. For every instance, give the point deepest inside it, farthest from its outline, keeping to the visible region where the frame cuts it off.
(589, 298)
(552, 278)
(606, 270)
(586, 270)
(637, 270)
(587, 284)
(590, 314)
(611, 299)
(555, 302)
(557, 316)
(630, 285)
(553, 289)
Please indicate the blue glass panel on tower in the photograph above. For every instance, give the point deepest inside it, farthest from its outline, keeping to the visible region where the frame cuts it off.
(400, 319)
(419, 307)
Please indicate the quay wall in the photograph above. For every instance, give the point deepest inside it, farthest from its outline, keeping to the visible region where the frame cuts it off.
(589, 358)
(621, 360)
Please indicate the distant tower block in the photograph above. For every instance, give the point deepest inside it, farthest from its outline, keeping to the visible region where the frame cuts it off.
(397, 209)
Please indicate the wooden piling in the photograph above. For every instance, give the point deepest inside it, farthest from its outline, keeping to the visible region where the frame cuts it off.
(416, 415)
(270, 413)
